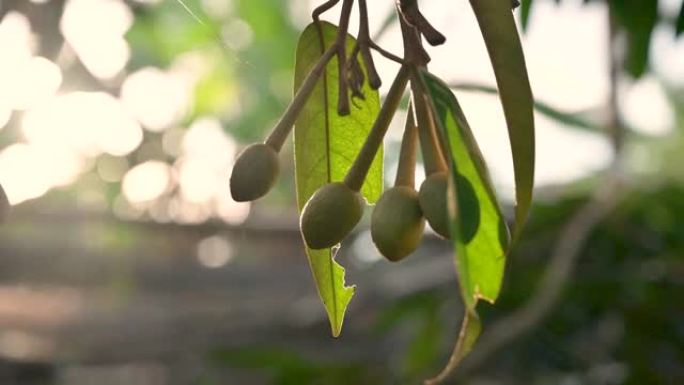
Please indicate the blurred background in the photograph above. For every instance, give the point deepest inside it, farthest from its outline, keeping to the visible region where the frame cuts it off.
(125, 261)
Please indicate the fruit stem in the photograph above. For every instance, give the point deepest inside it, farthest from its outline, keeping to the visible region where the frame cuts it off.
(282, 129)
(359, 169)
(429, 142)
(341, 43)
(321, 9)
(413, 16)
(406, 170)
(364, 43)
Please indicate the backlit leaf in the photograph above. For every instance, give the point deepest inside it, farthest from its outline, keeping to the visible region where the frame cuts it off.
(325, 147)
(478, 228)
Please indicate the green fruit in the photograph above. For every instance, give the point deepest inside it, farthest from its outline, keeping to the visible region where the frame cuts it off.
(433, 202)
(397, 223)
(330, 215)
(254, 172)
(4, 205)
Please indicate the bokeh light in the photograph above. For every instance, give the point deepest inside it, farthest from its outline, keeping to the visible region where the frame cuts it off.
(95, 30)
(156, 98)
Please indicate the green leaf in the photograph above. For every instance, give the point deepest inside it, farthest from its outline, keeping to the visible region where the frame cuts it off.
(505, 51)
(325, 147)
(638, 18)
(478, 228)
(525, 8)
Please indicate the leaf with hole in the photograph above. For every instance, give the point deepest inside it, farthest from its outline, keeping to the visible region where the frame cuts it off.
(326, 145)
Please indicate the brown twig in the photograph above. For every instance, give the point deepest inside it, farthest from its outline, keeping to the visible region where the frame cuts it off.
(386, 53)
(364, 44)
(414, 53)
(427, 131)
(356, 75)
(321, 9)
(412, 15)
(341, 43)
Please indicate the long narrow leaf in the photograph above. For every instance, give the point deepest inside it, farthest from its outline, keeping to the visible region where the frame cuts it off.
(505, 51)
(525, 8)
(638, 18)
(325, 147)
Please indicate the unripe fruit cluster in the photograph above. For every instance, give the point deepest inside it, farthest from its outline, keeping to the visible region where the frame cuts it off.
(332, 212)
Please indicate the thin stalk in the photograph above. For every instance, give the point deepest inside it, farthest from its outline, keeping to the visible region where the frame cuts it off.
(427, 130)
(321, 9)
(363, 42)
(359, 169)
(282, 129)
(406, 171)
(429, 142)
(341, 43)
(414, 53)
(413, 16)
(387, 54)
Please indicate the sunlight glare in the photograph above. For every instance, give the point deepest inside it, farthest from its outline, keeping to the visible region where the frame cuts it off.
(206, 140)
(95, 30)
(87, 122)
(146, 182)
(667, 55)
(645, 107)
(156, 98)
(38, 81)
(22, 173)
(199, 182)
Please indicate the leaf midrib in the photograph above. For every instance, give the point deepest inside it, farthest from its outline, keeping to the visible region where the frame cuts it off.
(326, 118)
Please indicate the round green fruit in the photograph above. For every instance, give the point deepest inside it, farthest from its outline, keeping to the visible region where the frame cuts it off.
(433, 202)
(254, 172)
(397, 223)
(330, 215)
(4, 205)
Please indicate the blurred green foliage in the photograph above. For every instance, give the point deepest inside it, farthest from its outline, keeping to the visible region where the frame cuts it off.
(636, 19)
(618, 322)
(241, 87)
